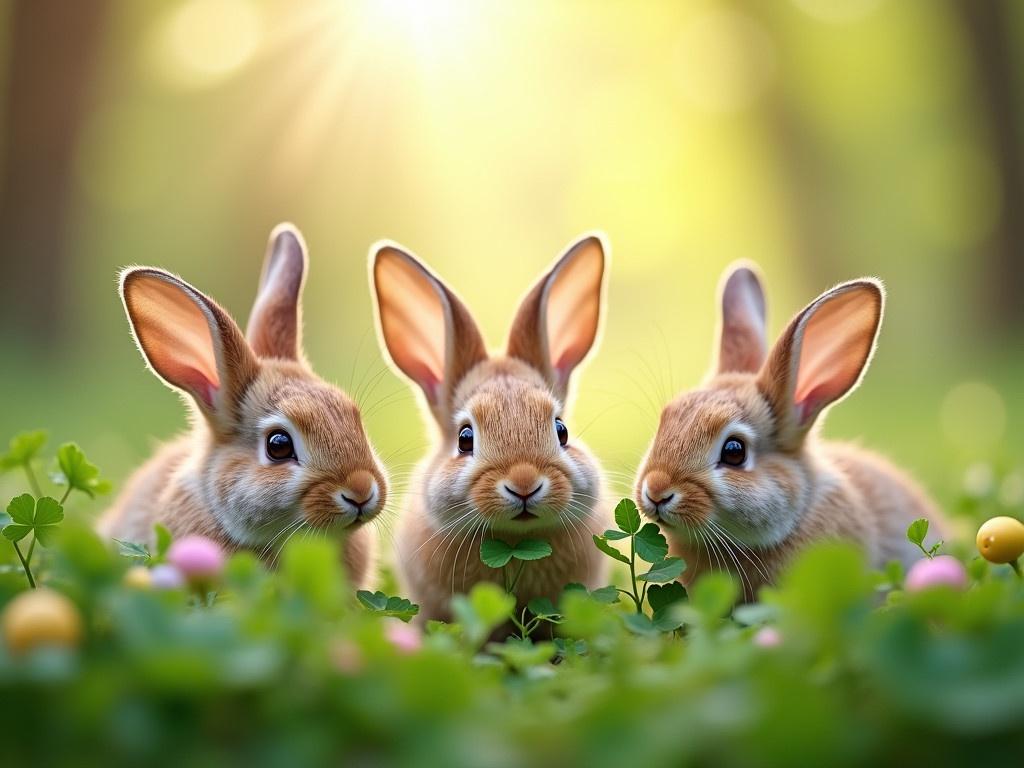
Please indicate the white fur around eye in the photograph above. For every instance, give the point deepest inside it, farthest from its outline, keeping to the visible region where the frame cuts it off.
(279, 421)
(744, 433)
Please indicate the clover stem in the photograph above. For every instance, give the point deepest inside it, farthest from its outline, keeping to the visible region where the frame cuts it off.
(24, 564)
(31, 548)
(33, 483)
(1015, 564)
(65, 496)
(632, 573)
(522, 565)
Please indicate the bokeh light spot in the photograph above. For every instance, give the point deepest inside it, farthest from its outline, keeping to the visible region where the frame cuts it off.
(203, 41)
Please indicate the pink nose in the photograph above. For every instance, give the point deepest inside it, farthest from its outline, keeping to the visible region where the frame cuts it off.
(658, 487)
(523, 480)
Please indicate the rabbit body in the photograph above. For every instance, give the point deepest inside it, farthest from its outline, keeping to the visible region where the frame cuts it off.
(274, 450)
(737, 475)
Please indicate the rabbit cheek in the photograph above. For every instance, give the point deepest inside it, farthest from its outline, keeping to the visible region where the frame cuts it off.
(760, 509)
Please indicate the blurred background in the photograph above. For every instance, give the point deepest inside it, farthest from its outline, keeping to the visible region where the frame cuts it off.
(825, 139)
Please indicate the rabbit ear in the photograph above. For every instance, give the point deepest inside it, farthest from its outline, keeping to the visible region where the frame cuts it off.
(189, 342)
(822, 355)
(741, 345)
(558, 320)
(429, 333)
(275, 324)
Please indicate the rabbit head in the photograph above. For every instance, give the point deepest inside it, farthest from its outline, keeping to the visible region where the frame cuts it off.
(506, 459)
(275, 446)
(738, 452)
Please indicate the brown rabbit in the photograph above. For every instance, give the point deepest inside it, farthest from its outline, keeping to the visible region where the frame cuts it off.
(504, 464)
(736, 474)
(273, 449)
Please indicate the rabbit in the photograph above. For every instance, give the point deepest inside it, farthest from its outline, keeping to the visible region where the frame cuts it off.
(504, 464)
(273, 449)
(736, 475)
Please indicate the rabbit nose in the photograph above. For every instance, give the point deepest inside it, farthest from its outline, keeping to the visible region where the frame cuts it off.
(524, 481)
(359, 492)
(658, 487)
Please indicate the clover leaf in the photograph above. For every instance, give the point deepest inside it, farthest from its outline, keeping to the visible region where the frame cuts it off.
(77, 472)
(385, 605)
(667, 570)
(31, 516)
(609, 550)
(627, 516)
(650, 544)
(22, 449)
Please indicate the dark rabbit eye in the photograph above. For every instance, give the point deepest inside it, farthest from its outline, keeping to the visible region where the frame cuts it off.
(280, 446)
(562, 431)
(466, 439)
(734, 452)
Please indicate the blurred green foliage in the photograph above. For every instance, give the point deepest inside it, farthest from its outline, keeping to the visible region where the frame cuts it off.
(837, 665)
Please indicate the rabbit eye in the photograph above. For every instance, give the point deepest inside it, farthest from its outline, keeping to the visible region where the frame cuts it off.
(562, 431)
(280, 446)
(734, 452)
(466, 439)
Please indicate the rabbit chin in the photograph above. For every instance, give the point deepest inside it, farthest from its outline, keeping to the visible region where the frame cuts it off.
(515, 520)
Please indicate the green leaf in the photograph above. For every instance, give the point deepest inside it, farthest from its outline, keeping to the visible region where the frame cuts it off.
(523, 654)
(22, 449)
(16, 532)
(542, 607)
(22, 509)
(668, 618)
(163, 540)
(667, 570)
(31, 516)
(917, 531)
(606, 595)
(482, 611)
(48, 512)
(639, 624)
(613, 535)
(894, 574)
(714, 594)
(650, 544)
(133, 550)
(531, 549)
(385, 605)
(77, 472)
(627, 516)
(754, 614)
(609, 550)
(662, 595)
(495, 553)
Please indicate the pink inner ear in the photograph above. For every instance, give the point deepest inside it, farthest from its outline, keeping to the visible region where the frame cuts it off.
(195, 382)
(836, 345)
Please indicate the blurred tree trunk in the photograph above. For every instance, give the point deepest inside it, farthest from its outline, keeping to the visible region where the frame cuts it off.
(989, 26)
(53, 46)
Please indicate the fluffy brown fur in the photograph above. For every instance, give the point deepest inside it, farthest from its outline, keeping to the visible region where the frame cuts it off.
(792, 488)
(518, 481)
(219, 480)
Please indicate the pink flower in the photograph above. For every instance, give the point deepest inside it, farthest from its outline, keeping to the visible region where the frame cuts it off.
(197, 557)
(767, 637)
(165, 576)
(936, 571)
(404, 637)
